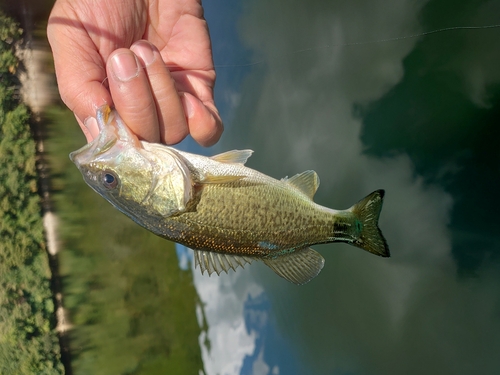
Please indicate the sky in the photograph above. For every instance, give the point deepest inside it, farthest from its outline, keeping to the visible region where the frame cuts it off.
(304, 106)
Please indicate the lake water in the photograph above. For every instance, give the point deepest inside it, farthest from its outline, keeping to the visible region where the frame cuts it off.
(416, 116)
(324, 85)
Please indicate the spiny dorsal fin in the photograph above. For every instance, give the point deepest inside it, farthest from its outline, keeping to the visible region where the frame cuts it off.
(216, 262)
(307, 182)
(233, 157)
(299, 267)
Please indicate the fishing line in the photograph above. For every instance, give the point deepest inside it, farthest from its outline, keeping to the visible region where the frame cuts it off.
(104, 81)
(349, 44)
(387, 40)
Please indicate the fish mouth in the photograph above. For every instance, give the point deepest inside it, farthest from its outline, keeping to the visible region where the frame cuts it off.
(106, 139)
(112, 131)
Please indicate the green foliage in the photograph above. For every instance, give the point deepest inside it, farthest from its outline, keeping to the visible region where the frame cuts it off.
(10, 34)
(132, 309)
(28, 342)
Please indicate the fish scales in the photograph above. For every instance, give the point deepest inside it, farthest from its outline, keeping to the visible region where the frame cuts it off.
(255, 209)
(249, 210)
(242, 221)
(228, 213)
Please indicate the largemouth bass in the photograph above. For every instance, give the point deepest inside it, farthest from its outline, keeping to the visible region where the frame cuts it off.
(227, 213)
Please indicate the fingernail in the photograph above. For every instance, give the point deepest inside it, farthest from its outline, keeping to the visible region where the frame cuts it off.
(90, 124)
(124, 66)
(145, 51)
(188, 105)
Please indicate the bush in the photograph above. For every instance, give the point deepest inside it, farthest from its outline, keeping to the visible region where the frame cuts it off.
(28, 342)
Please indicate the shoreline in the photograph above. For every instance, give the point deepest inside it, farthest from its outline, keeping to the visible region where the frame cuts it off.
(38, 91)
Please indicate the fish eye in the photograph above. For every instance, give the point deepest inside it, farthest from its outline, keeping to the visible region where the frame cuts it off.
(109, 180)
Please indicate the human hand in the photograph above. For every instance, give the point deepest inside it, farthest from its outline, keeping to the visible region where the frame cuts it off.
(164, 93)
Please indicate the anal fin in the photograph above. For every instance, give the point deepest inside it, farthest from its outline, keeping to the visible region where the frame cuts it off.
(215, 262)
(299, 267)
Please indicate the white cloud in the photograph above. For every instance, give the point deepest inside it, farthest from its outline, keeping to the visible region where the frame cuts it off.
(259, 366)
(223, 299)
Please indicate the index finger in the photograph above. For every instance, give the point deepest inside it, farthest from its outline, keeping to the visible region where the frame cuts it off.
(80, 69)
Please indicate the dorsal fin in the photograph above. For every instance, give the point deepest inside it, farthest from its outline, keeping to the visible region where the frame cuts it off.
(216, 262)
(298, 267)
(307, 182)
(233, 157)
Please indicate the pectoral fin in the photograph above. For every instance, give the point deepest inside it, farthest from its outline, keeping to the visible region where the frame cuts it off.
(299, 267)
(210, 179)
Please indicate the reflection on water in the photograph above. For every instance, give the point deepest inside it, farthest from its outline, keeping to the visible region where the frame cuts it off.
(416, 117)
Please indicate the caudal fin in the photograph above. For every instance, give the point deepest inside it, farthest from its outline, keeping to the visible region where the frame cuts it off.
(367, 211)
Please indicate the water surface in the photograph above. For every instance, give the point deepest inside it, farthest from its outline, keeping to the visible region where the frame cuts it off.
(313, 85)
(417, 117)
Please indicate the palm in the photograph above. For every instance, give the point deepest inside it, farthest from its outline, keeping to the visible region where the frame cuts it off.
(187, 56)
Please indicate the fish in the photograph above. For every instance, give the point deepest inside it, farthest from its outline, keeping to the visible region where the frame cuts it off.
(229, 214)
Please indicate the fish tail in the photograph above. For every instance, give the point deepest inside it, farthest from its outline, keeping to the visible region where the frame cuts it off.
(367, 212)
